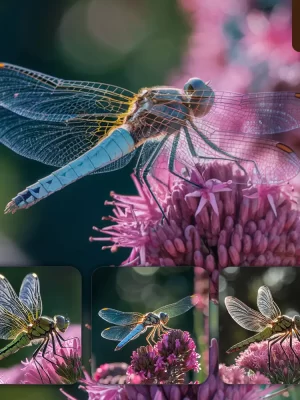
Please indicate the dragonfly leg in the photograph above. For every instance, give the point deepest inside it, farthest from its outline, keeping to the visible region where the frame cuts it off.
(146, 171)
(229, 157)
(291, 344)
(42, 347)
(271, 343)
(60, 338)
(150, 337)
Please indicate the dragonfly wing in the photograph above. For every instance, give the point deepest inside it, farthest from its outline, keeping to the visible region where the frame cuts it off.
(30, 294)
(11, 324)
(119, 317)
(10, 302)
(265, 160)
(245, 316)
(180, 307)
(117, 333)
(255, 113)
(51, 143)
(266, 304)
(42, 97)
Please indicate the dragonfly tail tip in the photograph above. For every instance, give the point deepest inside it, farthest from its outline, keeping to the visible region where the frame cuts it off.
(10, 208)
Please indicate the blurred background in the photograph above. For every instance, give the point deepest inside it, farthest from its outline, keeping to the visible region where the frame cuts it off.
(240, 45)
(143, 290)
(244, 283)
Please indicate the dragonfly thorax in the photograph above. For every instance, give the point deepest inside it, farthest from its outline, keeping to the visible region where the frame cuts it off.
(157, 111)
(61, 323)
(151, 319)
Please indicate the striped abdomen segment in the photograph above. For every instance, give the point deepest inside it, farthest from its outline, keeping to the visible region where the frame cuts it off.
(263, 335)
(116, 145)
(18, 343)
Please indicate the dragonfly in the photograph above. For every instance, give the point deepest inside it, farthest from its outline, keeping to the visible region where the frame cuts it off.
(22, 321)
(84, 128)
(269, 322)
(132, 324)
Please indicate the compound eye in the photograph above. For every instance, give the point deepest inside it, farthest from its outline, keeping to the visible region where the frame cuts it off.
(193, 85)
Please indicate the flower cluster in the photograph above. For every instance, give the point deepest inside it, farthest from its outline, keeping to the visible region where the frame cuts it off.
(212, 389)
(256, 226)
(284, 365)
(166, 362)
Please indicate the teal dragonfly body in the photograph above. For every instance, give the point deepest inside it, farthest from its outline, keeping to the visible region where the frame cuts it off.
(132, 324)
(86, 128)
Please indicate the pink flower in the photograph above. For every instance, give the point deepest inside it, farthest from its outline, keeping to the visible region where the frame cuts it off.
(244, 230)
(66, 370)
(284, 365)
(237, 375)
(166, 362)
(212, 389)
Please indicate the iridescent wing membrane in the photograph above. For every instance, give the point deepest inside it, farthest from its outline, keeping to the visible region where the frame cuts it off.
(53, 120)
(131, 319)
(128, 320)
(16, 313)
(250, 319)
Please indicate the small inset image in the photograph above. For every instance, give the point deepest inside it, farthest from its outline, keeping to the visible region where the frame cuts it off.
(149, 325)
(40, 325)
(259, 325)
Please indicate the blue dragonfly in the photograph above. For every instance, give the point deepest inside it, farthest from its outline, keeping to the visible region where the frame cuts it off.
(85, 128)
(132, 324)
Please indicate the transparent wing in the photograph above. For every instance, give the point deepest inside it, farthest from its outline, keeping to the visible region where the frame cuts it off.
(53, 143)
(30, 294)
(119, 317)
(10, 324)
(117, 333)
(254, 113)
(245, 316)
(178, 308)
(12, 304)
(266, 304)
(42, 97)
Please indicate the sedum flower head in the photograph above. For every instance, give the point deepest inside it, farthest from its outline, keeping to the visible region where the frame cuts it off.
(166, 362)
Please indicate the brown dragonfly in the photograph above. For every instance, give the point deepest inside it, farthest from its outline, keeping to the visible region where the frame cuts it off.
(270, 324)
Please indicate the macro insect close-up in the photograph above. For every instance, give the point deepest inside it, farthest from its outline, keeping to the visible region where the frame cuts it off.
(171, 270)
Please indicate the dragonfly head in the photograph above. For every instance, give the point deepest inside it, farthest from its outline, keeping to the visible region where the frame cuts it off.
(62, 323)
(164, 317)
(297, 321)
(201, 96)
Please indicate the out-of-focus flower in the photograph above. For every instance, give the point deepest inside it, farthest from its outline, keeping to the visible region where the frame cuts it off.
(237, 375)
(245, 230)
(166, 362)
(64, 367)
(229, 43)
(114, 373)
(284, 365)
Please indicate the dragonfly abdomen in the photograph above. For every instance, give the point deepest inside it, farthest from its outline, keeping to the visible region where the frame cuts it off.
(19, 342)
(259, 337)
(116, 145)
(140, 328)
